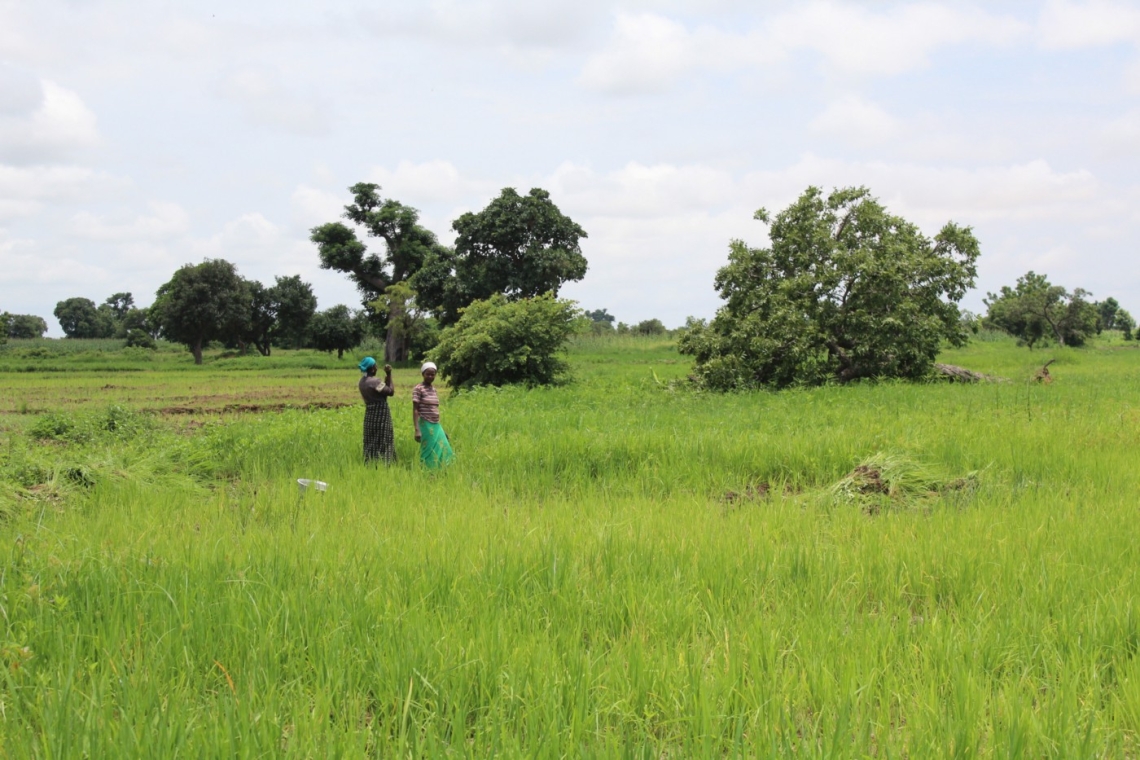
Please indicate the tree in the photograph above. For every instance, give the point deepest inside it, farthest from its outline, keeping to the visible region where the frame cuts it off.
(119, 304)
(336, 329)
(201, 303)
(650, 327)
(5, 320)
(79, 318)
(25, 326)
(845, 291)
(407, 246)
(497, 342)
(601, 315)
(262, 318)
(1035, 309)
(413, 325)
(518, 246)
(294, 304)
(1106, 312)
(1125, 323)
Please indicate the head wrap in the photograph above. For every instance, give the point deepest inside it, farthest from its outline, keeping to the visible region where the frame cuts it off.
(427, 366)
(366, 363)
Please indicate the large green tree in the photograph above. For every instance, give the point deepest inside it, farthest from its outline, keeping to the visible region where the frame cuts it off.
(80, 318)
(1035, 309)
(406, 246)
(845, 291)
(520, 246)
(201, 303)
(26, 326)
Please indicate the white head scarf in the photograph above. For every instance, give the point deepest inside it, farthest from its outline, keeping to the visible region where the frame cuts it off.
(427, 366)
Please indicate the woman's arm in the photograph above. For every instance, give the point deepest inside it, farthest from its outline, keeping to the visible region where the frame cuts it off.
(416, 419)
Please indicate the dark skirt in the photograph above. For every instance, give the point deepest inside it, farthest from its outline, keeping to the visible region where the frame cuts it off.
(379, 440)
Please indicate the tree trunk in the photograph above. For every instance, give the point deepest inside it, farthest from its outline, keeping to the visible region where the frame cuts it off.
(196, 349)
(395, 346)
(340, 353)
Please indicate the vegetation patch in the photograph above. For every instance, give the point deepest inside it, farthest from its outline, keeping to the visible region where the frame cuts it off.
(894, 480)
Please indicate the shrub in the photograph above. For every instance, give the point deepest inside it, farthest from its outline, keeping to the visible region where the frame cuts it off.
(137, 338)
(499, 342)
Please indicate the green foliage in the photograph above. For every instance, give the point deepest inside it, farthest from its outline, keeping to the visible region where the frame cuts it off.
(293, 304)
(26, 326)
(140, 339)
(336, 329)
(499, 342)
(649, 327)
(201, 303)
(1106, 313)
(846, 291)
(1035, 310)
(79, 318)
(410, 328)
(601, 315)
(407, 247)
(518, 246)
(1125, 323)
(5, 321)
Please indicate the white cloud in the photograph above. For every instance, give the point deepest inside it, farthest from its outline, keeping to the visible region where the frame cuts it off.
(25, 190)
(1067, 25)
(1121, 136)
(267, 101)
(59, 127)
(648, 52)
(518, 24)
(166, 220)
(855, 121)
(428, 182)
(313, 206)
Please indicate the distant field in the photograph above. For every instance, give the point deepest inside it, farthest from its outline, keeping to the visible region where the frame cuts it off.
(616, 567)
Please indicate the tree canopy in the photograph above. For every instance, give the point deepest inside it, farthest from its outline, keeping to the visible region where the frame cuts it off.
(80, 318)
(25, 326)
(520, 246)
(201, 303)
(1035, 309)
(336, 329)
(845, 291)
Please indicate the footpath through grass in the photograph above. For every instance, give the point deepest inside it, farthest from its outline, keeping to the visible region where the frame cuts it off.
(612, 568)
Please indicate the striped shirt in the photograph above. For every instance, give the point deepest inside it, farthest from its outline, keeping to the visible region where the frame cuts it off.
(428, 401)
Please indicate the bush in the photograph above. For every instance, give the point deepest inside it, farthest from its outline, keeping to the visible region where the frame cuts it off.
(500, 342)
(137, 338)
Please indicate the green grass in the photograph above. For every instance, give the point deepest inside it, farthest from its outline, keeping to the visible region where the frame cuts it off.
(613, 568)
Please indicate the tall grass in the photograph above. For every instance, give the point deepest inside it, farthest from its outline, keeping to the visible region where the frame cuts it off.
(578, 583)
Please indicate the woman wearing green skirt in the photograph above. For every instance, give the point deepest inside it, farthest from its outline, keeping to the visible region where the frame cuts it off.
(435, 449)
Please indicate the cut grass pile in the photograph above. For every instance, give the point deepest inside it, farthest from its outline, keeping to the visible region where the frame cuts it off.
(575, 584)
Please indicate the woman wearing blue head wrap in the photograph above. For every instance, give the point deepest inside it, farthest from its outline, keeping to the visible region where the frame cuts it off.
(379, 440)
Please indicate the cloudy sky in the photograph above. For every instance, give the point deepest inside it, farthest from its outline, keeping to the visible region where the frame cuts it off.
(139, 136)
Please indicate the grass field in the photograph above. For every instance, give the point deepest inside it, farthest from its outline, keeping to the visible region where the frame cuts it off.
(615, 567)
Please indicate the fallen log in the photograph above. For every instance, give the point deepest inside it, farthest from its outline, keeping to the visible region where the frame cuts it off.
(962, 375)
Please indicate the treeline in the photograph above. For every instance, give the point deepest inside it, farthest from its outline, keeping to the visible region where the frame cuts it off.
(207, 302)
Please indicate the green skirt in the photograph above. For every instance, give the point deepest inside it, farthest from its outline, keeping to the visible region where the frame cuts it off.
(435, 449)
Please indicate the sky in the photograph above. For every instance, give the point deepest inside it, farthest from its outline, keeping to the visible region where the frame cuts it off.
(136, 137)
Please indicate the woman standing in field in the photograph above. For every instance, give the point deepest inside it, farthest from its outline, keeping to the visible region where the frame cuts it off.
(379, 440)
(435, 448)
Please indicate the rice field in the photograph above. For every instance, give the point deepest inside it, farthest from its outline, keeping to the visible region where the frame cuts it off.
(619, 567)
